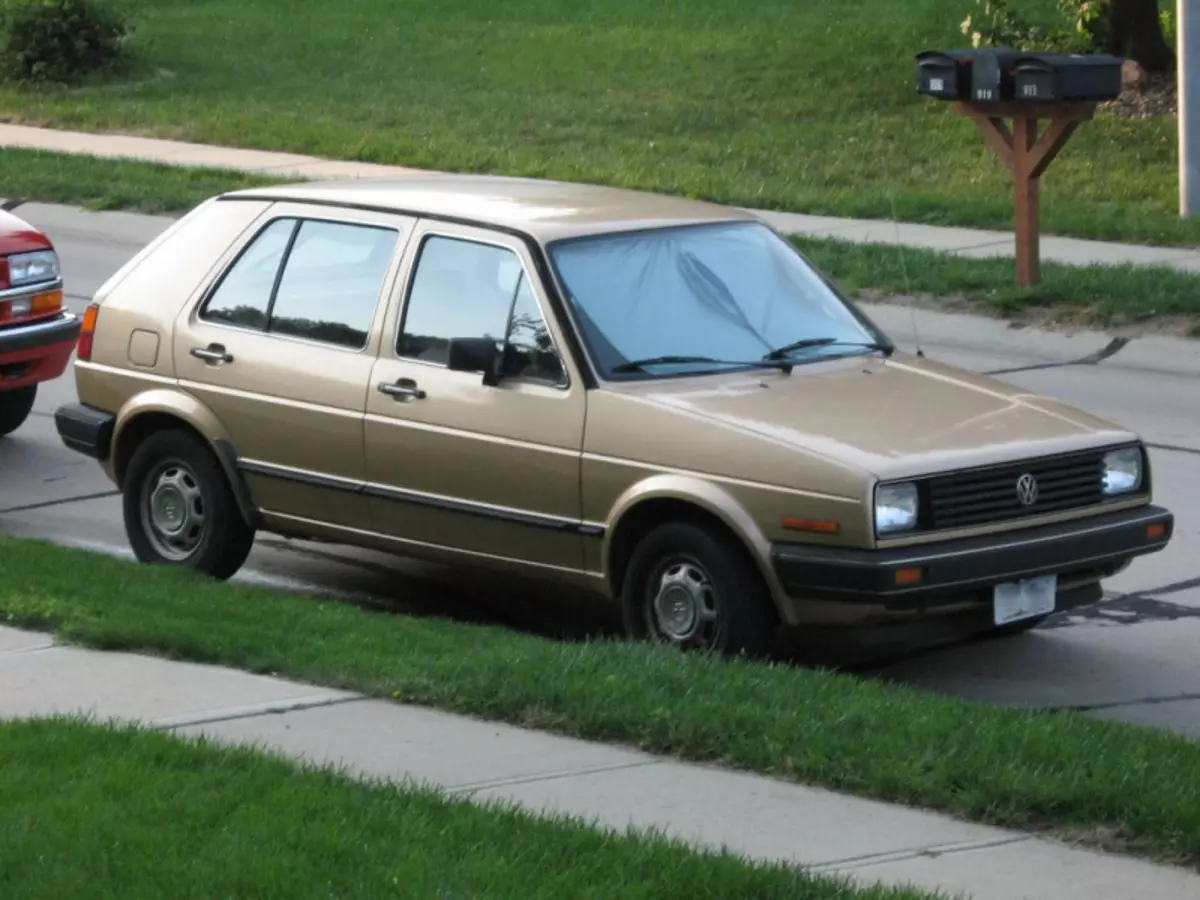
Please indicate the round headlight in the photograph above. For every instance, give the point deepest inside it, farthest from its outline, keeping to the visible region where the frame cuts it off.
(1122, 471)
(895, 507)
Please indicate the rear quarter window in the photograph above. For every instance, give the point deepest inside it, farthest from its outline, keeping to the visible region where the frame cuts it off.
(153, 288)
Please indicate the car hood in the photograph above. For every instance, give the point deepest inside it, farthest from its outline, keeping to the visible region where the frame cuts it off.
(18, 236)
(899, 417)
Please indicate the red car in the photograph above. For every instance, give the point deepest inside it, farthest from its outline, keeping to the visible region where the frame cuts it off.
(37, 333)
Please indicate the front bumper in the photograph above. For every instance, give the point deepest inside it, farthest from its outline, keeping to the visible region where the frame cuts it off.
(953, 573)
(37, 352)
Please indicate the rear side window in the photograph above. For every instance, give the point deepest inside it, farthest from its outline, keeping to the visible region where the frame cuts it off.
(310, 279)
(244, 295)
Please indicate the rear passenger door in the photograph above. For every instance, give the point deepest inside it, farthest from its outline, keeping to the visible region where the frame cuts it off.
(281, 349)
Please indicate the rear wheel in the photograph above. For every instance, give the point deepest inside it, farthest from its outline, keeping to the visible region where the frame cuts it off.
(693, 587)
(15, 407)
(179, 508)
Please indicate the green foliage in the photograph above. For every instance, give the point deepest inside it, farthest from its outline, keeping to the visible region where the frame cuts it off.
(61, 41)
(1079, 27)
(1166, 18)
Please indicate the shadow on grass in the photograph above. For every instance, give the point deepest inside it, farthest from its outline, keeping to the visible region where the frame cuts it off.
(400, 585)
(395, 584)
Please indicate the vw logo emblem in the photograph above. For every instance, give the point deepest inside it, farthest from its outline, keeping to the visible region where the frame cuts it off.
(1027, 489)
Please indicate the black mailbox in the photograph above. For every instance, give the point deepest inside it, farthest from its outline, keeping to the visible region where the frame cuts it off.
(1057, 77)
(945, 74)
(992, 75)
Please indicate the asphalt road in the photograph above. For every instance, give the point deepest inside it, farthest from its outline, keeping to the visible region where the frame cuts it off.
(1132, 657)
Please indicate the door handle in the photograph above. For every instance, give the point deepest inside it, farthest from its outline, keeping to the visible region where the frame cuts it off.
(404, 389)
(213, 353)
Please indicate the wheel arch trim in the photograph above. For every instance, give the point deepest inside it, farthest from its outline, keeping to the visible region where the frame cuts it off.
(707, 497)
(171, 403)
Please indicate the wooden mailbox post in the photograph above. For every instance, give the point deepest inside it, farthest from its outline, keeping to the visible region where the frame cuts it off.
(995, 85)
(1027, 155)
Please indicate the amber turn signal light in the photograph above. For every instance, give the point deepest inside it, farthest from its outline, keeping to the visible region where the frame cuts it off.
(821, 526)
(35, 307)
(46, 303)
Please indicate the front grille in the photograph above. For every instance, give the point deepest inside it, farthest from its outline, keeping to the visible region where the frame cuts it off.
(989, 495)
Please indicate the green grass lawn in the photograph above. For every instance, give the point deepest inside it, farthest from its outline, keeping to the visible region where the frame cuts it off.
(102, 812)
(1103, 783)
(1110, 296)
(113, 184)
(803, 106)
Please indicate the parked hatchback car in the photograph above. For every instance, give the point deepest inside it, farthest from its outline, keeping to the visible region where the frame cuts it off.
(657, 399)
(37, 334)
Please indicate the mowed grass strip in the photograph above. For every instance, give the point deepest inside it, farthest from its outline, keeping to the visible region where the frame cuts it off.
(1109, 784)
(801, 106)
(109, 184)
(1111, 295)
(102, 811)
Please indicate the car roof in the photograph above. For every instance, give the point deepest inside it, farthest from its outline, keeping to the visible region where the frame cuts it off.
(544, 210)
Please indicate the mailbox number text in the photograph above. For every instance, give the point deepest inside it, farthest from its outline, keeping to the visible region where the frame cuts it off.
(937, 84)
(1029, 90)
(984, 93)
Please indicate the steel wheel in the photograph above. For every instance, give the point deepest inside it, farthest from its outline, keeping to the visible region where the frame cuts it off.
(683, 606)
(173, 510)
(692, 586)
(179, 507)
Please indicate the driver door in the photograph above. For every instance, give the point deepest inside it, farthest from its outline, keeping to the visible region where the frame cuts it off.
(454, 463)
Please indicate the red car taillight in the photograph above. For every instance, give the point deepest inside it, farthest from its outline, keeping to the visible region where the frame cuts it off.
(87, 332)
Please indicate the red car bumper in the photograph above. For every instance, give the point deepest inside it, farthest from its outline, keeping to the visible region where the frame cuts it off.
(36, 352)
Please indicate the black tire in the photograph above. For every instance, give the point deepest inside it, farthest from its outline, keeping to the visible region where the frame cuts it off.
(743, 619)
(213, 538)
(15, 407)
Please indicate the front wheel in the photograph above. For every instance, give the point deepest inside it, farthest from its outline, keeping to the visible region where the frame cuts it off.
(15, 407)
(692, 587)
(179, 509)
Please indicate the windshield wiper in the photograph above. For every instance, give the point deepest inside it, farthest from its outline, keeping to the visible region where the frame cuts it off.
(638, 365)
(807, 343)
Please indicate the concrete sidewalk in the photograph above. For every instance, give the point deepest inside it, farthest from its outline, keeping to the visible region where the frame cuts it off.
(961, 241)
(612, 786)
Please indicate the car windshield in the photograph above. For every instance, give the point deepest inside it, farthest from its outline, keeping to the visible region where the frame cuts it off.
(702, 298)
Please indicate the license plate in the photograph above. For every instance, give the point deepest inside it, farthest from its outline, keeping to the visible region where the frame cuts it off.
(1024, 599)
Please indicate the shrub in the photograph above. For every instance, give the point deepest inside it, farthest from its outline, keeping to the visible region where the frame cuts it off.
(995, 23)
(61, 41)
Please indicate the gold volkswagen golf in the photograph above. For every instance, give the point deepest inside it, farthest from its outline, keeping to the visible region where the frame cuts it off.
(657, 399)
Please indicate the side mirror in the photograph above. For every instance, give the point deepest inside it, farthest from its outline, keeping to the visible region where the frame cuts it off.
(475, 355)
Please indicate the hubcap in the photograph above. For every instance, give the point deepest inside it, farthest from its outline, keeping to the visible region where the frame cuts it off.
(173, 511)
(684, 605)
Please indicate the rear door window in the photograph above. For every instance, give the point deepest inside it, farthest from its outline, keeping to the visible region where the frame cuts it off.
(310, 279)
